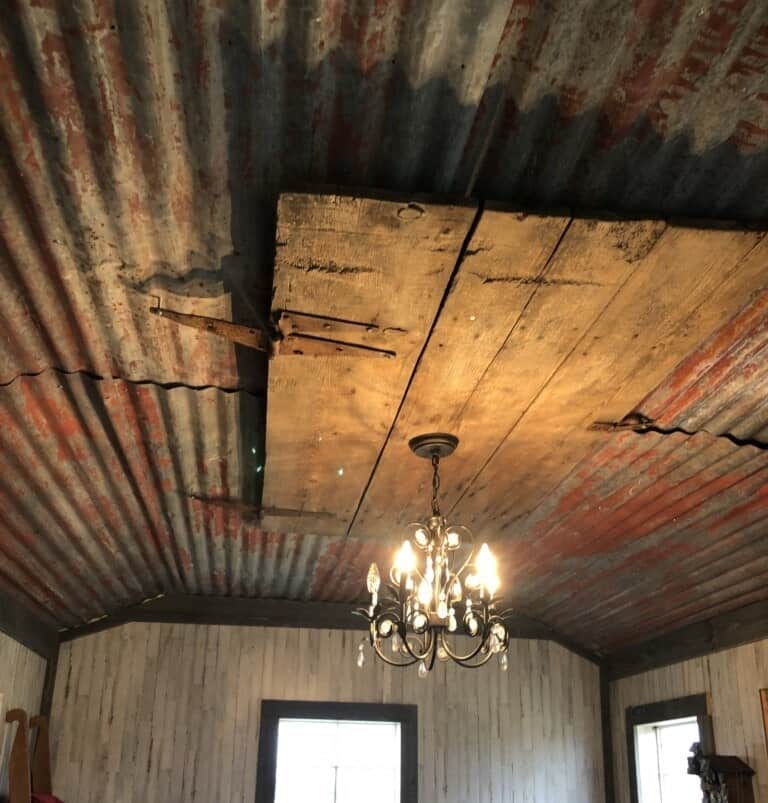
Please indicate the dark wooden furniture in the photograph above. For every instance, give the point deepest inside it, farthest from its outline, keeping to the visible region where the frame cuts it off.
(26, 778)
(724, 779)
(41, 758)
(19, 785)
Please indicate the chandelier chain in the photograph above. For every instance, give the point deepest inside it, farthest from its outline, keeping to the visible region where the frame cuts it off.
(435, 484)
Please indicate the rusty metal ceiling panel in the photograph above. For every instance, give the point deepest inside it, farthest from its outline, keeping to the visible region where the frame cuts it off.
(655, 530)
(722, 388)
(649, 533)
(143, 144)
(142, 147)
(113, 492)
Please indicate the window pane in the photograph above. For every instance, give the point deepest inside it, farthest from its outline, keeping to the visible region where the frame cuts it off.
(366, 786)
(337, 761)
(369, 744)
(662, 750)
(299, 784)
(314, 741)
(674, 748)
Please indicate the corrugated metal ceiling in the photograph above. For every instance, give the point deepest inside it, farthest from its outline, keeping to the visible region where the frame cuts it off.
(142, 147)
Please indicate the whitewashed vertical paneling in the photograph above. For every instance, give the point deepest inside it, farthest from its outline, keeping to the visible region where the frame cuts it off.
(731, 679)
(22, 674)
(170, 714)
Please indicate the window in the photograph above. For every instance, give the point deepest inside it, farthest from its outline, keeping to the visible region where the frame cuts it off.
(336, 753)
(659, 739)
(662, 761)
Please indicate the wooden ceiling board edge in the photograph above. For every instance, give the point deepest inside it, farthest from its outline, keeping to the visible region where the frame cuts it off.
(504, 260)
(379, 262)
(594, 261)
(591, 264)
(244, 612)
(736, 628)
(26, 627)
(743, 593)
(617, 362)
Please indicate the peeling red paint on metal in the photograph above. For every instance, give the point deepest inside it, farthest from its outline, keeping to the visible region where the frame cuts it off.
(729, 364)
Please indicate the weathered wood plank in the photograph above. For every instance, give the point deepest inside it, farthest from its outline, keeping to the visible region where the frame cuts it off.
(677, 292)
(506, 263)
(190, 609)
(732, 629)
(550, 742)
(384, 262)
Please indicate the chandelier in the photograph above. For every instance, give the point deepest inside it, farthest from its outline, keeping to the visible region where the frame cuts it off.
(438, 589)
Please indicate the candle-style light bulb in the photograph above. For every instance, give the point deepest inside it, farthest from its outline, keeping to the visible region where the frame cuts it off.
(374, 579)
(374, 582)
(485, 563)
(486, 569)
(405, 562)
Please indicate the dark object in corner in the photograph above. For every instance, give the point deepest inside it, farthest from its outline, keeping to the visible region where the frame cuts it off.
(724, 779)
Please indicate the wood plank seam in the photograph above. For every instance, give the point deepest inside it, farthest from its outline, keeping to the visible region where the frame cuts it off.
(552, 376)
(448, 288)
(526, 305)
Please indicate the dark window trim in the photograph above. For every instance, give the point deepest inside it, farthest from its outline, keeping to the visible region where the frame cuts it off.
(695, 705)
(273, 710)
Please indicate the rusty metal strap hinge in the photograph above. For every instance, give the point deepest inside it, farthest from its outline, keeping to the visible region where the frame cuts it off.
(634, 422)
(297, 334)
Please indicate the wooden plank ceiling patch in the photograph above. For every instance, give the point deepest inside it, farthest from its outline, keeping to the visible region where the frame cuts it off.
(381, 262)
(550, 323)
(528, 291)
(680, 286)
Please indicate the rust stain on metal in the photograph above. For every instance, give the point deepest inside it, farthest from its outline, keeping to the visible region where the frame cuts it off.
(142, 151)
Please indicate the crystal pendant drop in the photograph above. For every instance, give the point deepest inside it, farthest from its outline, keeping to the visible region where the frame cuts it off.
(503, 662)
(361, 657)
(422, 669)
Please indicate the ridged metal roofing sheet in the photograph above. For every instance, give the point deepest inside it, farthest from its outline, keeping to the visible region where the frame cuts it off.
(104, 487)
(647, 534)
(722, 388)
(143, 144)
(142, 147)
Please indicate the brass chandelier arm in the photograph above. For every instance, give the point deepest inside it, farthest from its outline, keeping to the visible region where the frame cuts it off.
(468, 663)
(387, 660)
(460, 658)
(429, 648)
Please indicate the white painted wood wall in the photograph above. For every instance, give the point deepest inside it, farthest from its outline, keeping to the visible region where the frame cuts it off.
(731, 679)
(22, 675)
(170, 713)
